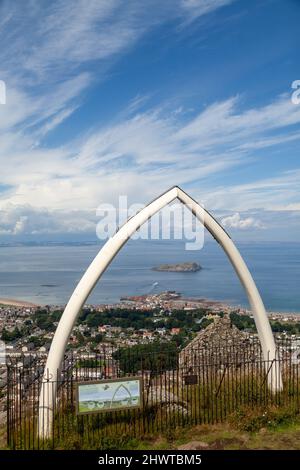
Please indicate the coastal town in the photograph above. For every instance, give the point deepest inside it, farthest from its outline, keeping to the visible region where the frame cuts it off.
(26, 328)
(172, 342)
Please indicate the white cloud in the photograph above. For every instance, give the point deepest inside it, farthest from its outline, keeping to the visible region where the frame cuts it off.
(237, 222)
(47, 39)
(23, 110)
(51, 40)
(145, 152)
(139, 154)
(196, 8)
(222, 124)
(275, 193)
(29, 220)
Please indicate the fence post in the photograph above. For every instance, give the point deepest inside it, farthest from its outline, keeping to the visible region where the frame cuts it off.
(8, 413)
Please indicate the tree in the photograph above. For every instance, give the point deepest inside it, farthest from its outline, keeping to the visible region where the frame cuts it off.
(9, 336)
(155, 357)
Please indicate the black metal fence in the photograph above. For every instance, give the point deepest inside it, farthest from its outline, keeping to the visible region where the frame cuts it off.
(194, 386)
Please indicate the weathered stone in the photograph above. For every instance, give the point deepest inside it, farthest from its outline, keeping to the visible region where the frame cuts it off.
(194, 445)
(221, 344)
(160, 396)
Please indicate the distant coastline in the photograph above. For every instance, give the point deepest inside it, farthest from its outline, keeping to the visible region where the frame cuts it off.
(17, 303)
(202, 302)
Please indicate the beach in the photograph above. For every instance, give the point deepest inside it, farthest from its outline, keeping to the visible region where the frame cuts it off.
(17, 303)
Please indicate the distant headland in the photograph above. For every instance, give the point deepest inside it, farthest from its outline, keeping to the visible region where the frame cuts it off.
(178, 268)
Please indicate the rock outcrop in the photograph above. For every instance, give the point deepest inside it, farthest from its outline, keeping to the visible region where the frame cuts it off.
(178, 268)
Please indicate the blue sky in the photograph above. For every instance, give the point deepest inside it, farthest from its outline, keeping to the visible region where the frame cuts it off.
(111, 97)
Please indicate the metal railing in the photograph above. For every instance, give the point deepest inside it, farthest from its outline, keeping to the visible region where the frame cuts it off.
(180, 388)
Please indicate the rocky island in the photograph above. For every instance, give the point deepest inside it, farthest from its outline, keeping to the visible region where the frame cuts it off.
(178, 268)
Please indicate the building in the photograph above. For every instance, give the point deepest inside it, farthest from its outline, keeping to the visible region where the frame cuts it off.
(220, 344)
(175, 331)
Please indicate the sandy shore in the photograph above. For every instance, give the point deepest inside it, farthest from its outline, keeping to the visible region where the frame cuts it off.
(17, 303)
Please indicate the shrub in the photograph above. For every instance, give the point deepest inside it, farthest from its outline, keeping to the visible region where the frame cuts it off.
(252, 420)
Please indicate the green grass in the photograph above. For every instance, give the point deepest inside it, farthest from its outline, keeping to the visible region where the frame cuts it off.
(249, 416)
(218, 437)
(225, 437)
(276, 428)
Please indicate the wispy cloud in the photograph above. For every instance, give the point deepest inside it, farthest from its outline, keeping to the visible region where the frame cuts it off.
(64, 37)
(280, 193)
(223, 124)
(42, 40)
(48, 54)
(196, 8)
(147, 152)
(23, 111)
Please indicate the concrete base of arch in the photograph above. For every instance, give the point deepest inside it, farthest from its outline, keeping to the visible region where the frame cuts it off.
(99, 265)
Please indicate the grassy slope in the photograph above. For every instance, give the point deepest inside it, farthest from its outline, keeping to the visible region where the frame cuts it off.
(224, 436)
(218, 437)
(259, 428)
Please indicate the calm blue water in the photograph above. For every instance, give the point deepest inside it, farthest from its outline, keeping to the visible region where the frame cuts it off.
(48, 274)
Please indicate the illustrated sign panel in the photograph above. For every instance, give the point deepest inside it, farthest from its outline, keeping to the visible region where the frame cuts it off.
(109, 395)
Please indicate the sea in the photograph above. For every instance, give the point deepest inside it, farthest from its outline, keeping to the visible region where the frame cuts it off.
(47, 274)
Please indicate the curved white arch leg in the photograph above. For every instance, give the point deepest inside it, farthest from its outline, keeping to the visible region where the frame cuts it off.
(100, 264)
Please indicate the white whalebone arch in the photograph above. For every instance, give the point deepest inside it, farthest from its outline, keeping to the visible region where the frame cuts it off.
(100, 264)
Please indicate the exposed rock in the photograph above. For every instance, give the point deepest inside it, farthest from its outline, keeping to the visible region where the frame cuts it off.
(160, 396)
(194, 445)
(263, 431)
